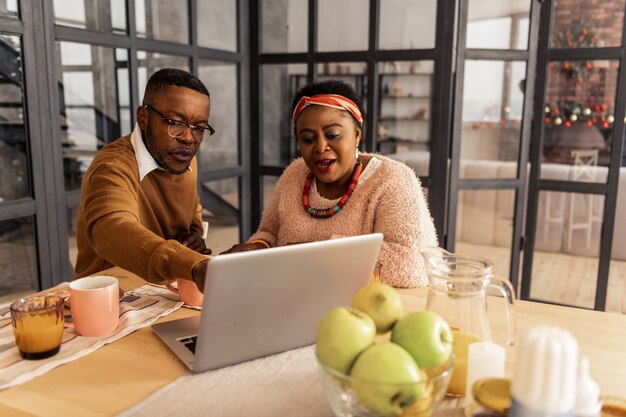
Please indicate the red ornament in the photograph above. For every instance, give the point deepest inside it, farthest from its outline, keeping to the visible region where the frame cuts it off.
(551, 64)
(556, 110)
(588, 65)
(605, 125)
(567, 35)
(566, 65)
(604, 106)
(568, 123)
(547, 120)
(589, 123)
(584, 31)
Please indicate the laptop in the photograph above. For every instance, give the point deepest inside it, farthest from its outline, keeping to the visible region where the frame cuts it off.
(263, 302)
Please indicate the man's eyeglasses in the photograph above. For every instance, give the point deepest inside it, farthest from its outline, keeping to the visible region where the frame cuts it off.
(177, 128)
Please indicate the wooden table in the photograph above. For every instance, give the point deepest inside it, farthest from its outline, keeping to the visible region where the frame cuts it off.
(122, 374)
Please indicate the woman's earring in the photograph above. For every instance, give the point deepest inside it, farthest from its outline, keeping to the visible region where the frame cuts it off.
(356, 153)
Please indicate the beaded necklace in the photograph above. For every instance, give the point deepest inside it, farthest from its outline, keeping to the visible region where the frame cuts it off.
(329, 212)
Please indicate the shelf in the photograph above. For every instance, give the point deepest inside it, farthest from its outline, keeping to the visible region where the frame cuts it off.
(403, 74)
(402, 119)
(389, 139)
(390, 96)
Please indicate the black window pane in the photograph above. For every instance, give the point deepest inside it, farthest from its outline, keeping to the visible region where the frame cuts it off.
(284, 25)
(587, 24)
(217, 24)
(101, 15)
(18, 258)
(498, 25)
(579, 120)
(9, 8)
(164, 20)
(280, 83)
(342, 25)
(221, 80)
(95, 105)
(14, 150)
(407, 24)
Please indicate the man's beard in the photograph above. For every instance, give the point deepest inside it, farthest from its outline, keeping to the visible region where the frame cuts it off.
(159, 157)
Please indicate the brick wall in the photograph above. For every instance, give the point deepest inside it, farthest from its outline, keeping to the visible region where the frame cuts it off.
(603, 18)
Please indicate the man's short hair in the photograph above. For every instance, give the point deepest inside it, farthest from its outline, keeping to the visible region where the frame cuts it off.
(166, 77)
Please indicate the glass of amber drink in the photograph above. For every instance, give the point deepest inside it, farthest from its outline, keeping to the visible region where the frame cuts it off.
(38, 325)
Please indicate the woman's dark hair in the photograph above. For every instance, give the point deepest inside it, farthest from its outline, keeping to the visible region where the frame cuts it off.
(165, 77)
(329, 87)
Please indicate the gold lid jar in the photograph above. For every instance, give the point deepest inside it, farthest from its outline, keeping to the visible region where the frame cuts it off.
(491, 397)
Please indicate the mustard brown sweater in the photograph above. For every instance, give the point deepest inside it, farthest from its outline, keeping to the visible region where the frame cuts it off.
(390, 201)
(134, 224)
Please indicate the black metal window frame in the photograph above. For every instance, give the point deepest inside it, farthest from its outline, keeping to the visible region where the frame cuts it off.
(439, 127)
(40, 35)
(519, 183)
(36, 108)
(545, 55)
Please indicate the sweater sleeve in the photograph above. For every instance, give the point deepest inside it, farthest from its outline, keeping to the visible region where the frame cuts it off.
(114, 231)
(403, 217)
(270, 222)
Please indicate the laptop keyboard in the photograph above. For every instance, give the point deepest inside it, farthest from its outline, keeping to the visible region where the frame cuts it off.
(190, 343)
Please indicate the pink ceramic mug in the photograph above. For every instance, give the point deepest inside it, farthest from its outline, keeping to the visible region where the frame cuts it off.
(188, 292)
(95, 305)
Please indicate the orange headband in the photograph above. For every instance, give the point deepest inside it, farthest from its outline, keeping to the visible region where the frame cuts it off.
(329, 100)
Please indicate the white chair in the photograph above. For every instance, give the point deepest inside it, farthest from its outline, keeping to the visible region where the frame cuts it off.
(554, 213)
(581, 216)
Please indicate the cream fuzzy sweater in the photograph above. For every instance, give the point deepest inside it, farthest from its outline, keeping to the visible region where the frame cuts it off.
(389, 201)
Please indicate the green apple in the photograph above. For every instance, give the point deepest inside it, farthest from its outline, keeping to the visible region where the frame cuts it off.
(343, 333)
(426, 336)
(386, 379)
(381, 302)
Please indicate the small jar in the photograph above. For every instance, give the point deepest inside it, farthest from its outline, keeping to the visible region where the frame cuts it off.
(491, 397)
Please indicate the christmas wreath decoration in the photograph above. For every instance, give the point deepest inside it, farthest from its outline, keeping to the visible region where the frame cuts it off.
(579, 36)
(591, 113)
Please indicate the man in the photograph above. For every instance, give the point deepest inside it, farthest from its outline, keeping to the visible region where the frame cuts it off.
(139, 207)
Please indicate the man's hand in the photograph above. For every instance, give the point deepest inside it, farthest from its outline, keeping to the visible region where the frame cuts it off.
(198, 274)
(245, 247)
(193, 240)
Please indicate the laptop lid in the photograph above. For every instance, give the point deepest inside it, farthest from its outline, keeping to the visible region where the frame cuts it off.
(263, 302)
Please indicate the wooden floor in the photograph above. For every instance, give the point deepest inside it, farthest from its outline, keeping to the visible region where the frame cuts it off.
(561, 278)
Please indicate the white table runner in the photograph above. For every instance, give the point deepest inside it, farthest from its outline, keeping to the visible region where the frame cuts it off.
(137, 310)
(286, 384)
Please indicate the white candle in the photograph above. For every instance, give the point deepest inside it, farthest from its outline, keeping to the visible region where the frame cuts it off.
(484, 360)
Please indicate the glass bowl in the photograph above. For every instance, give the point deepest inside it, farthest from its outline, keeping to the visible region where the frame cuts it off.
(350, 397)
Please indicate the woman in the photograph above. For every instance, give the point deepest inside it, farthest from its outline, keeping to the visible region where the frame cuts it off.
(335, 191)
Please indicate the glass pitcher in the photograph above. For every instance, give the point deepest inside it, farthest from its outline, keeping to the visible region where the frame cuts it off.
(457, 291)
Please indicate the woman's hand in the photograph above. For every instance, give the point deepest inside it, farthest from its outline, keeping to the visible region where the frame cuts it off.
(245, 247)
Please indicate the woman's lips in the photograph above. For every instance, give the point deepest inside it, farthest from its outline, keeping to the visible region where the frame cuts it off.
(325, 165)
